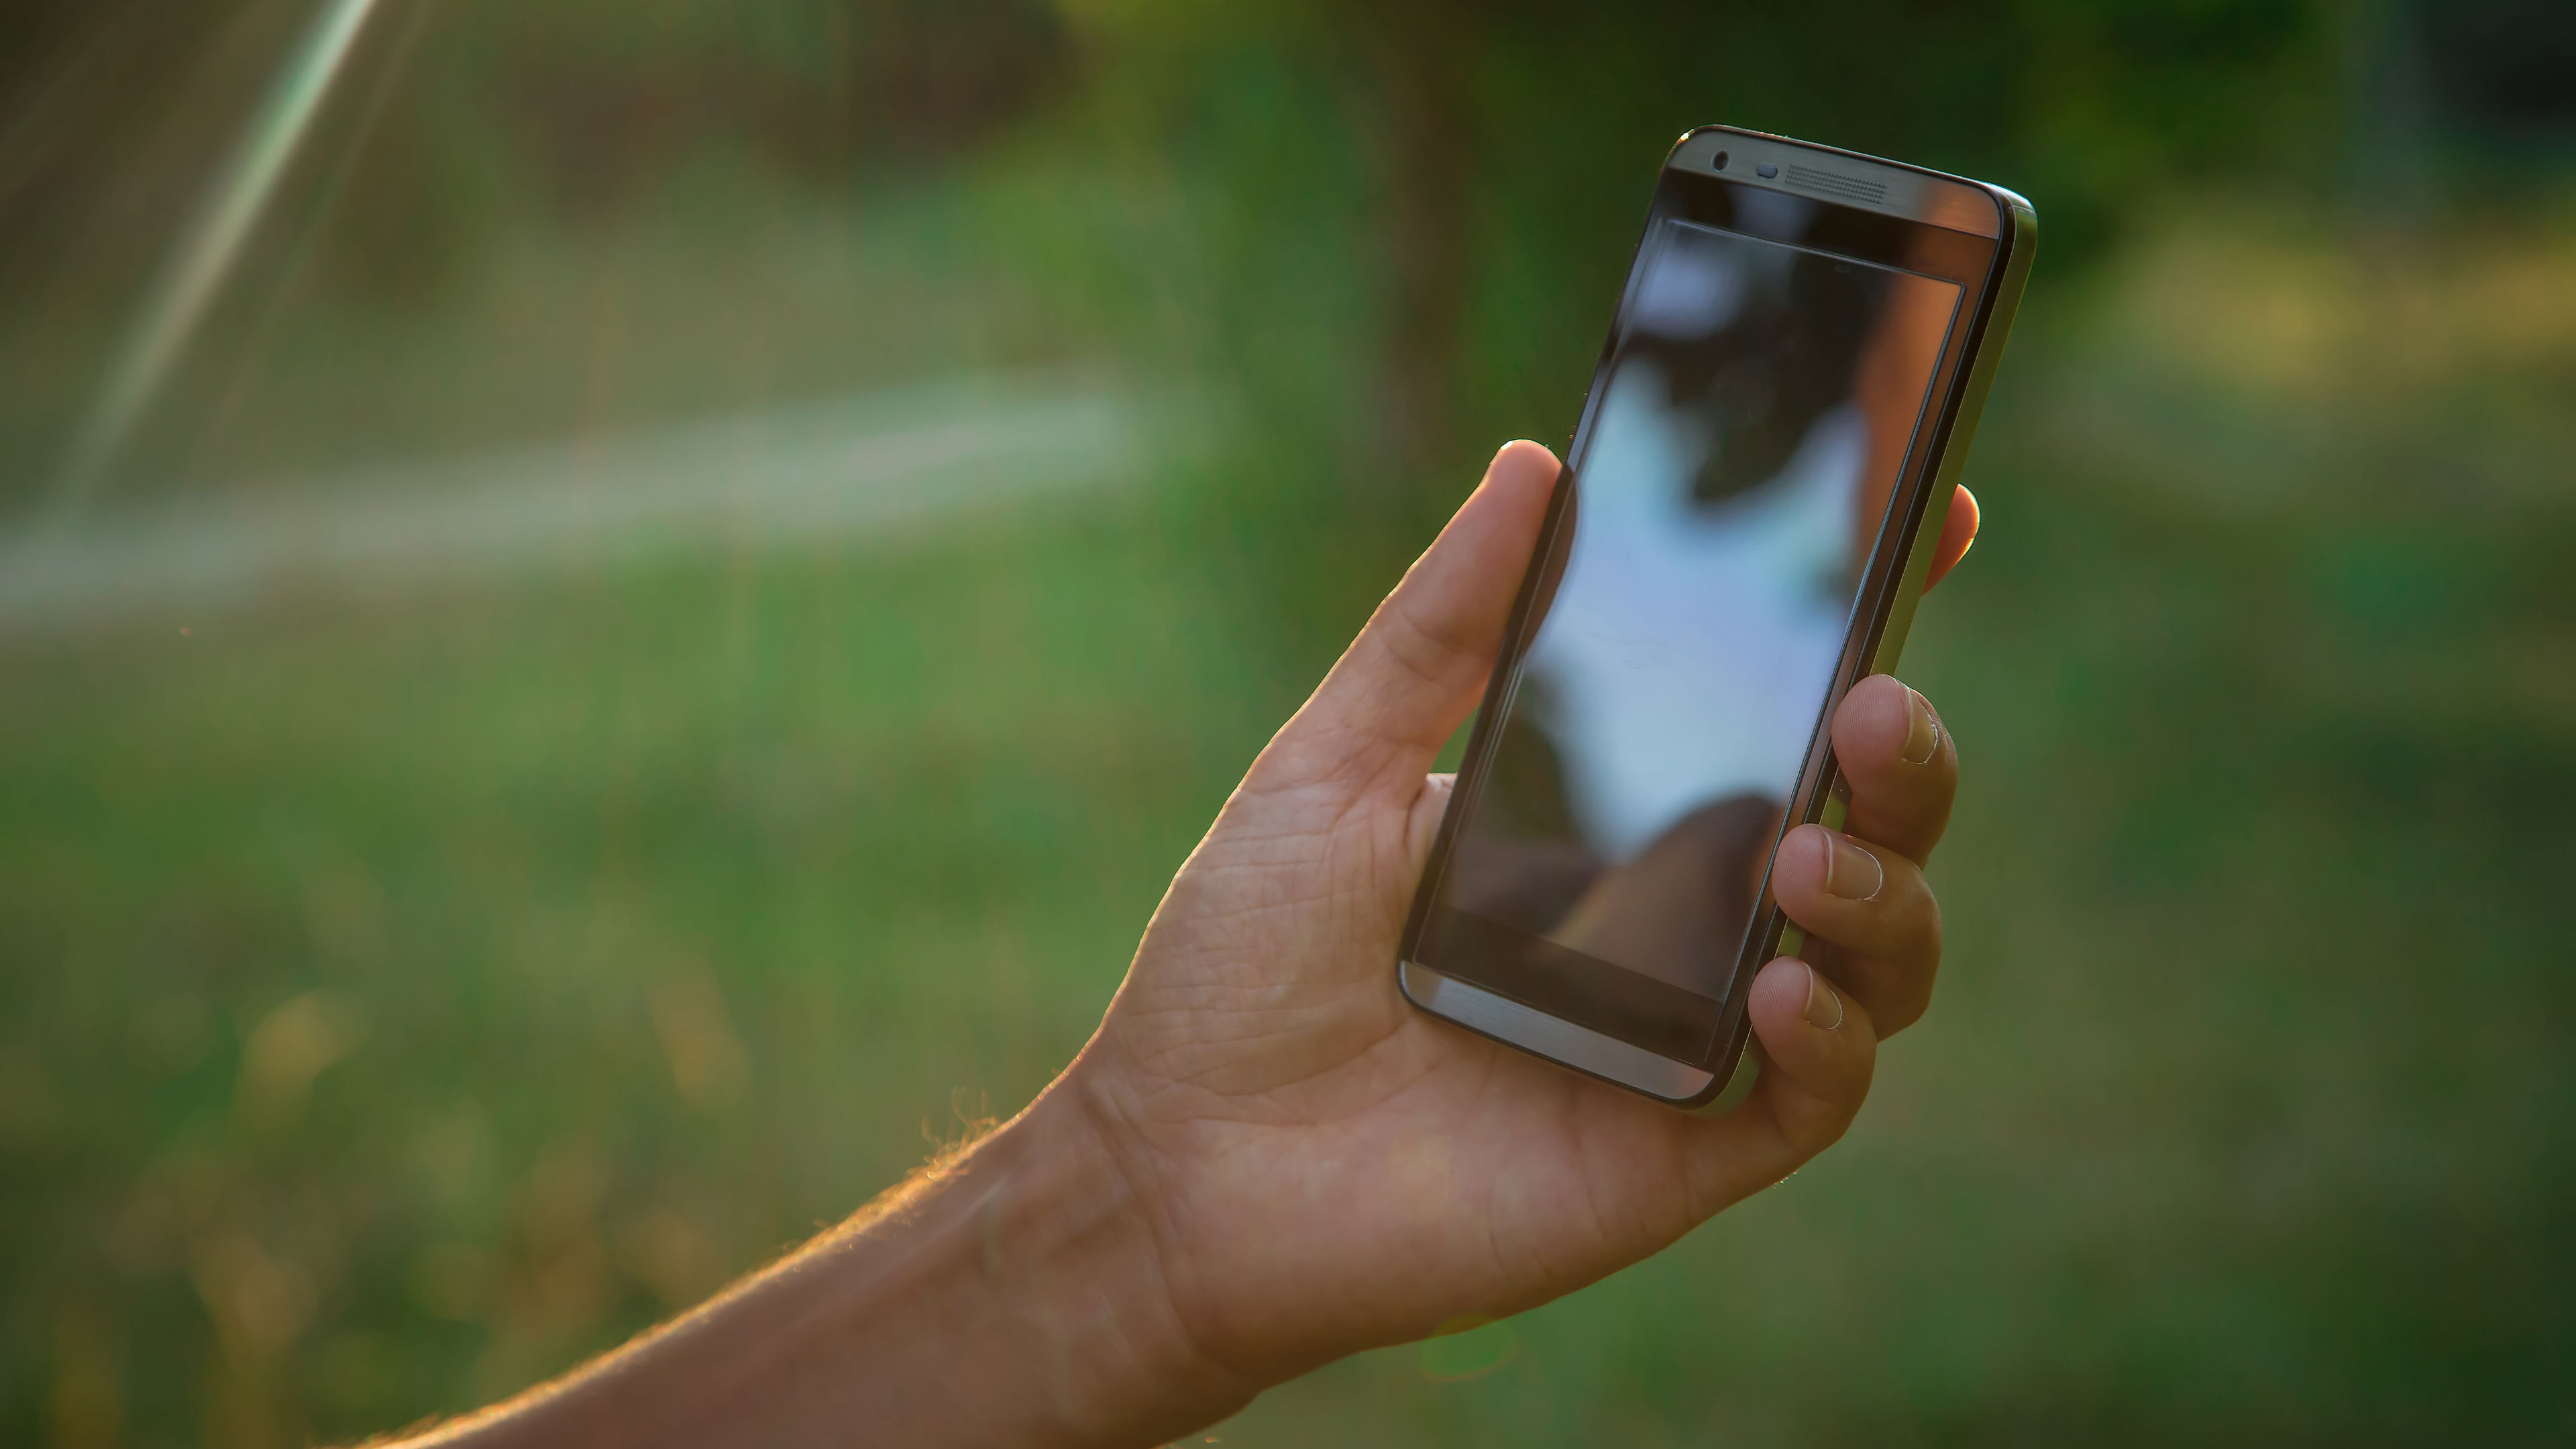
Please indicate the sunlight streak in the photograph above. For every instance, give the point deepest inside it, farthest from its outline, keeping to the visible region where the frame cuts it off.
(208, 247)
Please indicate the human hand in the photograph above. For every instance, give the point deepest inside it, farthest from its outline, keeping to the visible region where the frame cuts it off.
(1319, 1167)
(1265, 1159)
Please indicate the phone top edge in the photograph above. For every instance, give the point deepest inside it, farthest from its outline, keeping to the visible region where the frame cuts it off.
(1846, 178)
(1486, 1013)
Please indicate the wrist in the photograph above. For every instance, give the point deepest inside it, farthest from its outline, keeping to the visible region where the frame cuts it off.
(1055, 1254)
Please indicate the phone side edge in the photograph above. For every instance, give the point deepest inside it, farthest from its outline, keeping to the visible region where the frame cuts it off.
(1982, 367)
(2022, 243)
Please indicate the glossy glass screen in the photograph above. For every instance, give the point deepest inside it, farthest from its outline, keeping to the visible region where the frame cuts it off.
(1730, 486)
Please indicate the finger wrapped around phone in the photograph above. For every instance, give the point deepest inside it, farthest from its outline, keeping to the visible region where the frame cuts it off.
(1819, 1049)
(1871, 921)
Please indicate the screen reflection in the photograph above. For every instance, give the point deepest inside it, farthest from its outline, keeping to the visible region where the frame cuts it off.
(1758, 406)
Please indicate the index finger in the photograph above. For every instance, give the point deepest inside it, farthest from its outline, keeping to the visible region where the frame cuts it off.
(1958, 535)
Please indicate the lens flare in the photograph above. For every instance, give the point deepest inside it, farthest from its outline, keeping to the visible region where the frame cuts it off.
(208, 247)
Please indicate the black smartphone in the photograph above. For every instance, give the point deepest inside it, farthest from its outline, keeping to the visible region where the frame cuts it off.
(1746, 518)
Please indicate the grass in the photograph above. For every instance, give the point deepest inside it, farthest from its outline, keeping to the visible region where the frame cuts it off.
(407, 996)
(655, 914)
(2240, 1116)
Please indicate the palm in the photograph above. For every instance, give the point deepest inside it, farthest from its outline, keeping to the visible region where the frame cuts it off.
(1325, 1145)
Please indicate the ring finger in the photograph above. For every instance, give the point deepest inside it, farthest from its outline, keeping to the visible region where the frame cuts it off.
(1871, 906)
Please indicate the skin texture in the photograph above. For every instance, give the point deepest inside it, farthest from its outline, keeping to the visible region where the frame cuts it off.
(1266, 1159)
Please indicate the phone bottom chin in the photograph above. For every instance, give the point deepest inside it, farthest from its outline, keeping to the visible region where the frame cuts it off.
(1624, 1064)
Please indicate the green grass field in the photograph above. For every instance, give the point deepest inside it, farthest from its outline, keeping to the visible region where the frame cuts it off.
(409, 994)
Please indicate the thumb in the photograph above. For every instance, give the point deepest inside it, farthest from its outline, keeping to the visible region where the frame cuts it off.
(1419, 666)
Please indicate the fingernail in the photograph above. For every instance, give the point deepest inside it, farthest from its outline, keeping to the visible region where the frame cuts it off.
(1922, 731)
(1824, 1004)
(1851, 873)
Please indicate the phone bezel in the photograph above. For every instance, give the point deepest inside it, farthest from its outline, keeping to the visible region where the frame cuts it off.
(1878, 211)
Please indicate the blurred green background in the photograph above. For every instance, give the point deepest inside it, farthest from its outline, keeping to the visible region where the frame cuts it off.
(687, 582)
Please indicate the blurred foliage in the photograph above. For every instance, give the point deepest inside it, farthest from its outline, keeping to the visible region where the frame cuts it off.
(404, 995)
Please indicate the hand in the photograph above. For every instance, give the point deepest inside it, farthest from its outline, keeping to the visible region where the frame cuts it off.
(1321, 1168)
(1266, 1158)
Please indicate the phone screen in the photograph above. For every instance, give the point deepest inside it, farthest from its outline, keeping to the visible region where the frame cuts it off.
(1729, 487)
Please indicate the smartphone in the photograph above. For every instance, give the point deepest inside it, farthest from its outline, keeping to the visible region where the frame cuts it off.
(1746, 518)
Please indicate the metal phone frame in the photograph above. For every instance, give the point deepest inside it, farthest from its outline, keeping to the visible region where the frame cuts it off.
(1841, 178)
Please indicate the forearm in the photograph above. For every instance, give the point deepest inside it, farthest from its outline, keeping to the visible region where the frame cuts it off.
(1014, 1297)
